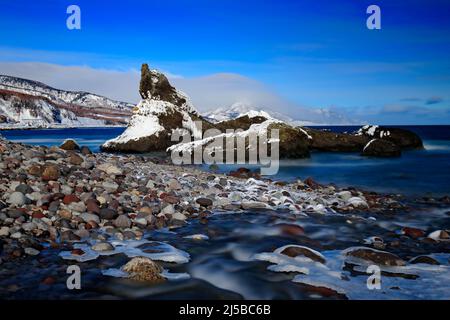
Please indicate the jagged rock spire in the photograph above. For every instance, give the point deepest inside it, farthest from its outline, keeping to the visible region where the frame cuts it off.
(145, 86)
(155, 85)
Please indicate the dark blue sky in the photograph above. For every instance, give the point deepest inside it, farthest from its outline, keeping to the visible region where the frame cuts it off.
(312, 53)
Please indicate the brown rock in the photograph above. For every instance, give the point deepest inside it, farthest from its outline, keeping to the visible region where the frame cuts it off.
(413, 232)
(144, 269)
(171, 199)
(424, 259)
(146, 210)
(65, 214)
(68, 199)
(376, 256)
(122, 221)
(204, 202)
(85, 151)
(70, 144)
(51, 172)
(75, 159)
(294, 251)
(77, 252)
(48, 281)
(35, 170)
(92, 206)
(38, 215)
(381, 148)
(311, 183)
(291, 229)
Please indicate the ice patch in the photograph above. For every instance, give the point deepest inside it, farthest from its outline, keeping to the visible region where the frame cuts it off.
(431, 281)
(160, 251)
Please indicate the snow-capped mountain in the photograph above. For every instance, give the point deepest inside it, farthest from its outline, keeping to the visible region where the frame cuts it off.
(28, 103)
(240, 109)
(310, 116)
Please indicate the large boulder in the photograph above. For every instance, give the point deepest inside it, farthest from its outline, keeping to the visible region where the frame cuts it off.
(404, 139)
(322, 140)
(149, 128)
(391, 139)
(293, 142)
(381, 148)
(162, 110)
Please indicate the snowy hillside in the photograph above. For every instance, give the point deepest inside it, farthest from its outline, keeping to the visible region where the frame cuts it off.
(27, 103)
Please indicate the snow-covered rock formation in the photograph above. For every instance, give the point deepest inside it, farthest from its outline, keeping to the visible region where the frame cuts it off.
(240, 109)
(165, 111)
(162, 110)
(31, 104)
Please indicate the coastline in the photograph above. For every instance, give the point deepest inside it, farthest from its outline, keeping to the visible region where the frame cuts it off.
(83, 207)
(59, 127)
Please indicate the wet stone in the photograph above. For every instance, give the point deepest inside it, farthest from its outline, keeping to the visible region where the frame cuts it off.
(204, 202)
(294, 251)
(122, 221)
(144, 269)
(24, 188)
(425, 260)
(376, 256)
(108, 214)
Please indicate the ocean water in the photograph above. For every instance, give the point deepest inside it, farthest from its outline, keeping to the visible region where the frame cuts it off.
(418, 172)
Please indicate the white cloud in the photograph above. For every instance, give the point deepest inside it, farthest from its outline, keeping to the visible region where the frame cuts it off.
(207, 92)
(120, 85)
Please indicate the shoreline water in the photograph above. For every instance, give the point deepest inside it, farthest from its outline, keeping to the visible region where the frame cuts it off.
(100, 210)
(416, 173)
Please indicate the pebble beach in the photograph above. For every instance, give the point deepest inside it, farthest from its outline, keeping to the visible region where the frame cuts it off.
(142, 221)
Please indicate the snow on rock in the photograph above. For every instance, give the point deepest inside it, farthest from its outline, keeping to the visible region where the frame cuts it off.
(240, 109)
(256, 129)
(162, 111)
(367, 130)
(144, 122)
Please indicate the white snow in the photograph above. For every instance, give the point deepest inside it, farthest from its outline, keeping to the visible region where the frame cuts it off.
(432, 282)
(368, 130)
(258, 129)
(131, 248)
(30, 104)
(145, 122)
(240, 109)
(145, 119)
(368, 144)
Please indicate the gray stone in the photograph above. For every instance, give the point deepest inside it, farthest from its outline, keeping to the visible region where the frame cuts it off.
(90, 217)
(17, 198)
(102, 246)
(4, 231)
(24, 188)
(31, 251)
(110, 186)
(122, 221)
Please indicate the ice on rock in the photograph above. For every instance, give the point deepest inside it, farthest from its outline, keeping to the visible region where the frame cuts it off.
(419, 281)
(131, 248)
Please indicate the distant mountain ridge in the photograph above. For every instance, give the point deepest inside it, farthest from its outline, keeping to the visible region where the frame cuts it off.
(29, 103)
(240, 109)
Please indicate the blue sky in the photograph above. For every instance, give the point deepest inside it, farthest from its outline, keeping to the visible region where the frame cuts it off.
(310, 54)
